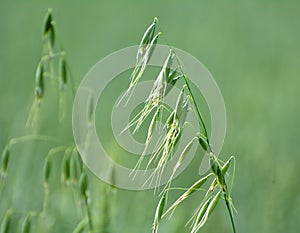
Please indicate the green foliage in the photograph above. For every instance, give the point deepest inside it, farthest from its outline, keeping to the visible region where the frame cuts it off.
(252, 50)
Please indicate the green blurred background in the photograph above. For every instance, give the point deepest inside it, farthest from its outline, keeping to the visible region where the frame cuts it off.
(251, 48)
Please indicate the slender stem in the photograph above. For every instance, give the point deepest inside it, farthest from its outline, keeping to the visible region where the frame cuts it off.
(191, 93)
(186, 81)
(207, 139)
(198, 113)
(196, 106)
(229, 211)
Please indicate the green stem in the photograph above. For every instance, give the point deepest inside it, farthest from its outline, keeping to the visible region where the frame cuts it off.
(229, 211)
(196, 107)
(202, 123)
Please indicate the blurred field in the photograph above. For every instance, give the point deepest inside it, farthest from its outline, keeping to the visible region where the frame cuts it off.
(251, 48)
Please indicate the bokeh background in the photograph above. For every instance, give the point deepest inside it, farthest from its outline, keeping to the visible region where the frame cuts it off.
(251, 48)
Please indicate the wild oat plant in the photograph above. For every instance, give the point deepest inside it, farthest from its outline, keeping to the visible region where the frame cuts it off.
(53, 68)
(172, 130)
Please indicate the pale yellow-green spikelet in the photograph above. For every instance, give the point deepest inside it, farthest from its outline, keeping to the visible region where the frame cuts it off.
(217, 170)
(150, 131)
(183, 154)
(188, 193)
(200, 215)
(209, 210)
(144, 53)
(155, 97)
(147, 37)
(141, 65)
(224, 170)
(178, 163)
(158, 213)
